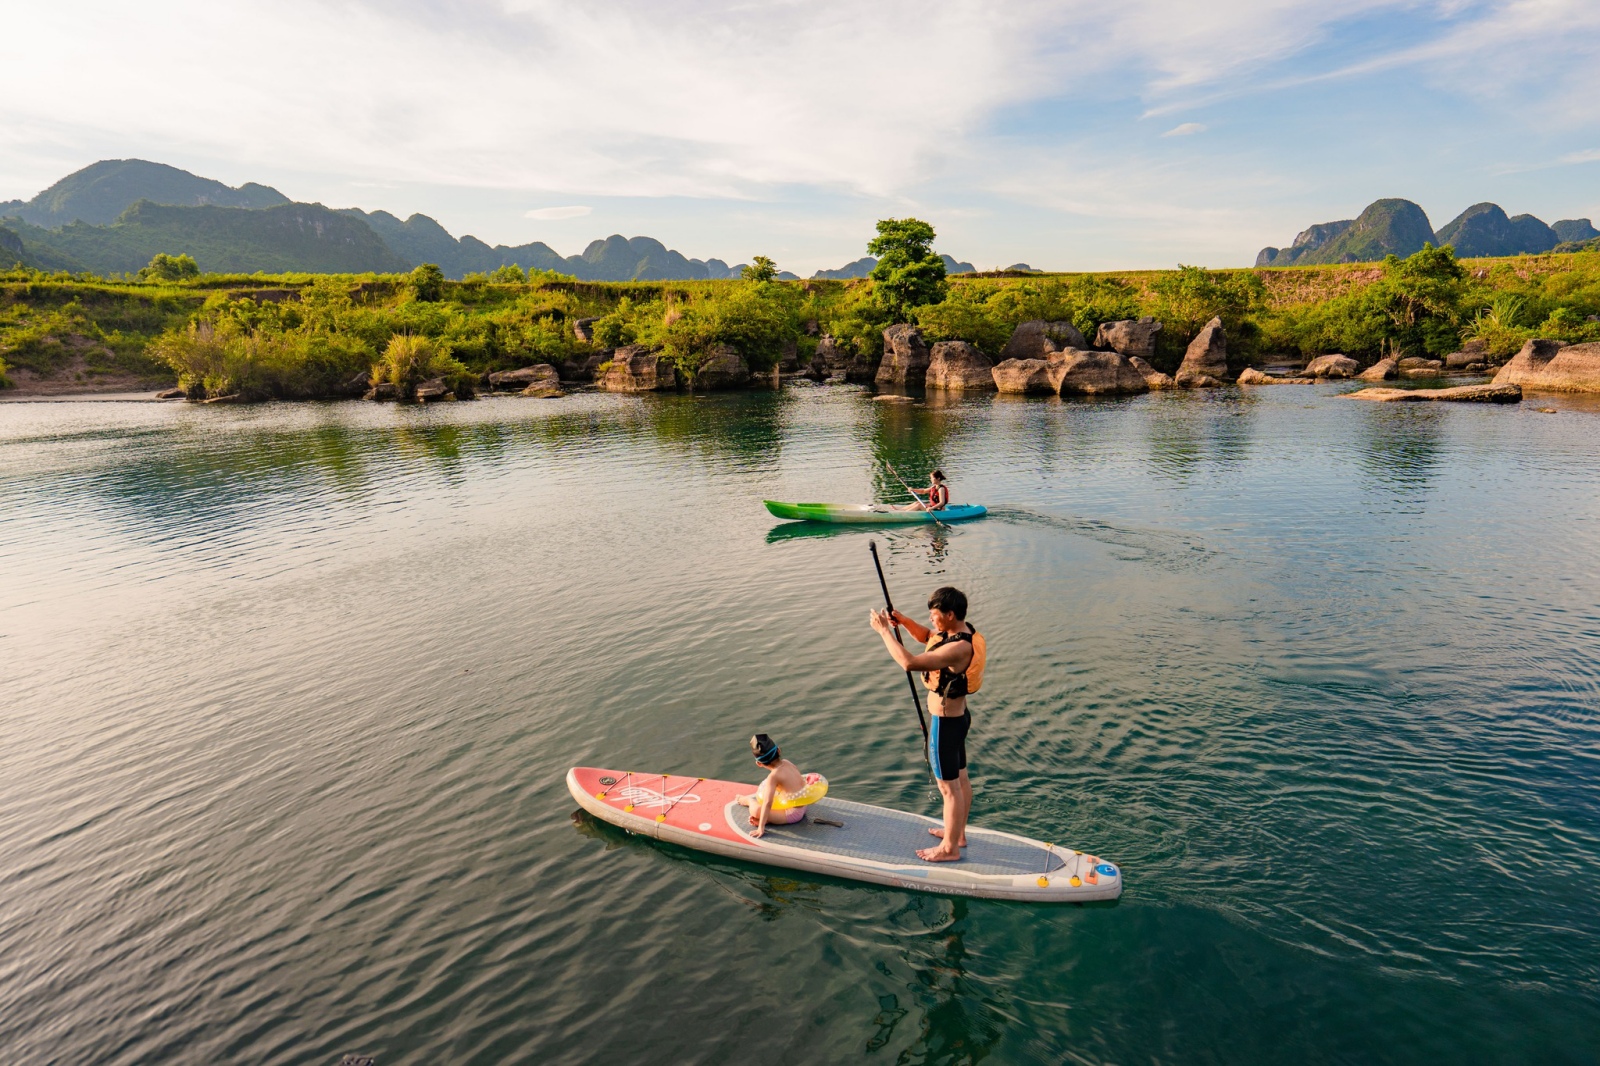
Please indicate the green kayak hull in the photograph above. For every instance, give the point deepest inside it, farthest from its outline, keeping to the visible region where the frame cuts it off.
(860, 514)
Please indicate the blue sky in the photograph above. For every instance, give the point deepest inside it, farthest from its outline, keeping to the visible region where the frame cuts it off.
(1065, 135)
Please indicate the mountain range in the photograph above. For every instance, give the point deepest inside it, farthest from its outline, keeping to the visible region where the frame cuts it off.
(1400, 227)
(112, 216)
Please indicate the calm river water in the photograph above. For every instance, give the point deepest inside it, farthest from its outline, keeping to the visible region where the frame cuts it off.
(288, 692)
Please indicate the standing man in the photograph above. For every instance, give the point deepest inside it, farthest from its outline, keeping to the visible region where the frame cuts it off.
(949, 654)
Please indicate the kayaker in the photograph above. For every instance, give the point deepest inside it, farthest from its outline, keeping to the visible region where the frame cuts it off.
(937, 493)
(950, 653)
(783, 777)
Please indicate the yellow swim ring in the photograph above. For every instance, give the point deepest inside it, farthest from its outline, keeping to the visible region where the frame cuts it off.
(816, 788)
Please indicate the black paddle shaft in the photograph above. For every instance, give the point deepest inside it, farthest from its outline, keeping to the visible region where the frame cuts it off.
(911, 681)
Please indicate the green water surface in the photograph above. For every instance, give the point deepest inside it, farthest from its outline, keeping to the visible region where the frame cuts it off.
(289, 693)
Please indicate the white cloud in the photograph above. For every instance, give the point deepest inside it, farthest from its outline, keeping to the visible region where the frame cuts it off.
(549, 214)
(868, 108)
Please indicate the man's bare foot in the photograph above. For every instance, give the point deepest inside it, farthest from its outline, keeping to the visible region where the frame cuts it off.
(939, 854)
(939, 832)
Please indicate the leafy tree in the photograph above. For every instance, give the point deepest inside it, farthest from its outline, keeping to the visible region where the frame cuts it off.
(427, 283)
(510, 274)
(164, 267)
(909, 274)
(763, 269)
(1418, 299)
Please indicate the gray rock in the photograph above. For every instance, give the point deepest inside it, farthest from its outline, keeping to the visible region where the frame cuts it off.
(1024, 376)
(1332, 366)
(383, 391)
(905, 357)
(1382, 370)
(583, 369)
(516, 380)
(171, 394)
(1251, 376)
(1550, 366)
(722, 368)
(1417, 362)
(1129, 336)
(1491, 393)
(1152, 377)
(1205, 364)
(1474, 351)
(1038, 339)
(638, 368)
(1085, 373)
(434, 390)
(959, 365)
(546, 383)
(583, 329)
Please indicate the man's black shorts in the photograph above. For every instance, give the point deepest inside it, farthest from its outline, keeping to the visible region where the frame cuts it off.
(947, 745)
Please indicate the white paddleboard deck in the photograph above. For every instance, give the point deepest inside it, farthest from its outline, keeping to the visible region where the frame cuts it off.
(866, 843)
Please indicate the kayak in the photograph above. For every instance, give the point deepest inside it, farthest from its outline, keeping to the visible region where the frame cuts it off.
(841, 838)
(863, 514)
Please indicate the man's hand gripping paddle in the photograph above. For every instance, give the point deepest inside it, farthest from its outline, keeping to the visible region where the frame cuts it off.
(911, 681)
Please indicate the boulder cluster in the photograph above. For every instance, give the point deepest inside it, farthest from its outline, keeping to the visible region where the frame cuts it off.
(1040, 358)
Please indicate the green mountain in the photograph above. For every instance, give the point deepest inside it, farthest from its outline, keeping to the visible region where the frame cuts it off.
(863, 266)
(1484, 229)
(286, 238)
(100, 192)
(422, 240)
(15, 248)
(112, 216)
(1386, 227)
(1574, 229)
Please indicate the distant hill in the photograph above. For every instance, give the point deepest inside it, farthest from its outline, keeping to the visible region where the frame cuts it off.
(1484, 229)
(100, 192)
(1386, 227)
(16, 248)
(1575, 229)
(112, 216)
(289, 237)
(1401, 227)
(863, 266)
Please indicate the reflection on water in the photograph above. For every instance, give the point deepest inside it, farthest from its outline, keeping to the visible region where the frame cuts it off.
(1404, 447)
(290, 692)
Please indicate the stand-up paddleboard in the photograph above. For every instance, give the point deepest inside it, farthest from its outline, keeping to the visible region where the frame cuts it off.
(840, 838)
(863, 514)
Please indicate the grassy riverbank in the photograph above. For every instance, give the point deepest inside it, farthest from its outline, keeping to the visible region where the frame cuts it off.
(301, 335)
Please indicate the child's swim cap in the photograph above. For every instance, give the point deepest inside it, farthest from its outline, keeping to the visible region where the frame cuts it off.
(764, 748)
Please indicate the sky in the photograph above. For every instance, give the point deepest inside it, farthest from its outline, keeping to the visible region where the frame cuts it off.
(1068, 135)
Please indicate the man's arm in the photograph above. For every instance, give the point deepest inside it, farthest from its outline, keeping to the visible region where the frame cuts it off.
(957, 654)
(919, 632)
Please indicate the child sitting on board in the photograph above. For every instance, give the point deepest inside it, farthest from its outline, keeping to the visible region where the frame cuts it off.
(783, 797)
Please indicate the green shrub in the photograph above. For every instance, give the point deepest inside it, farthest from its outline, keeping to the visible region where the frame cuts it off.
(427, 283)
(408, 360)
(164, 267)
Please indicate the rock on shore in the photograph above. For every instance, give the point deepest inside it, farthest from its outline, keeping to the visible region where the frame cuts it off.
(1029, 377)
(1038, 339)
(1383, 370)
(1205, 364)
(1084, 373)
(722, 368)
(959, 365)
(521, 378)
(1332, 366)
(637, 368)
(1491, 393)
(1129, 336)
(1153, 378)
(905, 357)
(1251, 376)
(1549, 366)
